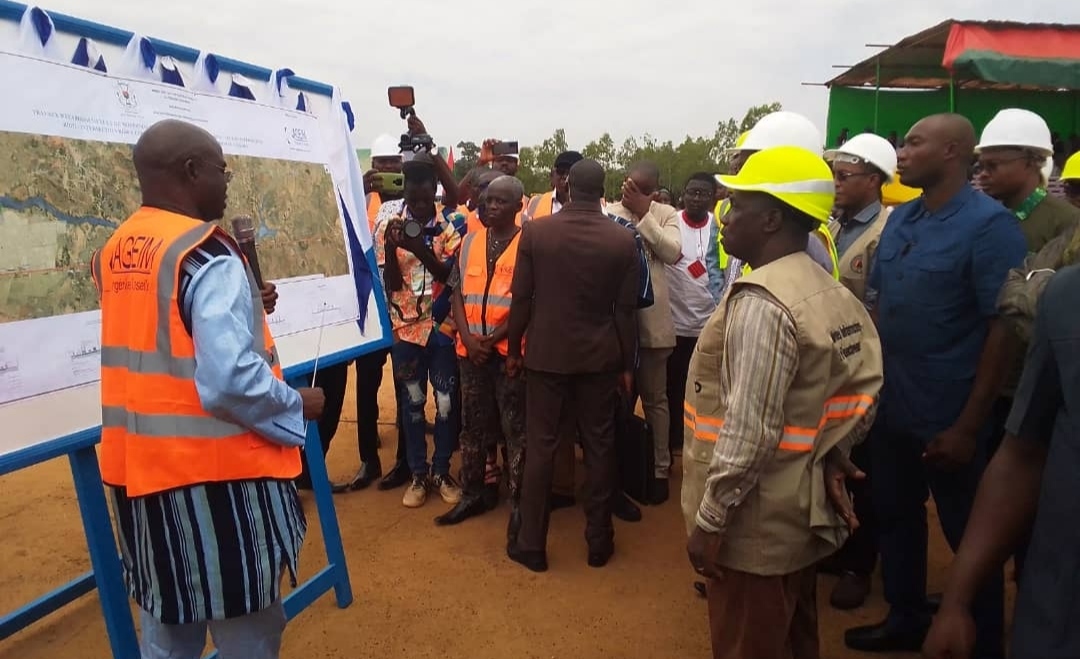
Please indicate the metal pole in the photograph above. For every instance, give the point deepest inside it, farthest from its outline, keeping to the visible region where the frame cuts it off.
(877, 90)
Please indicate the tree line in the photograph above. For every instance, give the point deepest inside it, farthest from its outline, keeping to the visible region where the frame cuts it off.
(675, 161)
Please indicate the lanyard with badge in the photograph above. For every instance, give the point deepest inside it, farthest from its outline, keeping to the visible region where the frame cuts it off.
(697, 268)
(1028, 206)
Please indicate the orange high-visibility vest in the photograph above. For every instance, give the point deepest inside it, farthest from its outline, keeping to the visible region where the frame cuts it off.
(155, 434)
(541, 205)
(487, 299)
(374, 202)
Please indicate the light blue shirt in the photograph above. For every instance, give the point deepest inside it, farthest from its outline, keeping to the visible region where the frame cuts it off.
(233, 381)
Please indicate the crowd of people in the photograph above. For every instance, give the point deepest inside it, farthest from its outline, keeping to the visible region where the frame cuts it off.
(818, 361)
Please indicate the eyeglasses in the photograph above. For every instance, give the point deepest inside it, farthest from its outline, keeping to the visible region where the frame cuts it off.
(224, 169)
(698, 194)
(842, 176)
(991, 166)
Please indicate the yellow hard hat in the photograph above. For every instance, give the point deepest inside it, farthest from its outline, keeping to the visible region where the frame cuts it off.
(1071, 170)
(795, 176)
(741, 138)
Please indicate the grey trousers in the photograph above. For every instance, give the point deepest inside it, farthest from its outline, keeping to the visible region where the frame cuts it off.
(254, 636)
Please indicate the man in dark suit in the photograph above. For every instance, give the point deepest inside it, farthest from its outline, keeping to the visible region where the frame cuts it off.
(575, 289)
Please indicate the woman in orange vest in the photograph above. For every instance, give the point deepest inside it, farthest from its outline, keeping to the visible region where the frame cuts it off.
(493, 404)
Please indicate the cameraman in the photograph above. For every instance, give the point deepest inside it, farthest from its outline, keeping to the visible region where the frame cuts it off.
(386, 158)
(415, 248)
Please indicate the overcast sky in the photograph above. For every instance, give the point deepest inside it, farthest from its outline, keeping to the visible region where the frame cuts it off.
(522, 68)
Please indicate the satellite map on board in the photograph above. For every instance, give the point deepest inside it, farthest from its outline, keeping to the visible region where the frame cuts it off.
(61, 199)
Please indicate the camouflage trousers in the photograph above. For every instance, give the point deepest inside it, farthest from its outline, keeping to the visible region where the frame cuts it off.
(492, 408)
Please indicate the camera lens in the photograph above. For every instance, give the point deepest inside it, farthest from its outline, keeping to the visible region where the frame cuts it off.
(412, 229)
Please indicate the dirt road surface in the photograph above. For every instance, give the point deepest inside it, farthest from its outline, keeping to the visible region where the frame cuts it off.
(420, 591)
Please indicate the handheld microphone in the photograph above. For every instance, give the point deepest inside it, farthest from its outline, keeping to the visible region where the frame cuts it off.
(244, 232)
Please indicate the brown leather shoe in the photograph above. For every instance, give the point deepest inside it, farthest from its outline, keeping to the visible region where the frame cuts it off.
(850, 591)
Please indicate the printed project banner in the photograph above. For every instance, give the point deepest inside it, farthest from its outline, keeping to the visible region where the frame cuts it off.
(67, 181)
(62, 100)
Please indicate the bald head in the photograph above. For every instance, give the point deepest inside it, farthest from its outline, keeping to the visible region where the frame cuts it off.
(508, 185)
(167, 142)
(181, 167)
(938, 149)
(586, 181)
(953, 128)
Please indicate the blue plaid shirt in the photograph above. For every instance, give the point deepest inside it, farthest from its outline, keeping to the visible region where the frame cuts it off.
(645, 295)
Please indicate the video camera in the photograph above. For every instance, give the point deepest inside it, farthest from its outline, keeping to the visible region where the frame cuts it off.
(404, 98)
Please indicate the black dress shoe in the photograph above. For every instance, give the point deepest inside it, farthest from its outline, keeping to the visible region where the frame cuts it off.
(600, 558)
(513, 527)
(699, 588)
(470, 505)
(368, 474)
(658, 491)
(625, 509)
(886, 637)
(490, 496)
(562, 501)
(534, 560)
(399, 475)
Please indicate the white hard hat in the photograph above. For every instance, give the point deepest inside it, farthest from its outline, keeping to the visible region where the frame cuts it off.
(385, 146)
(1017, 128)
(783, 129)
(869, 148)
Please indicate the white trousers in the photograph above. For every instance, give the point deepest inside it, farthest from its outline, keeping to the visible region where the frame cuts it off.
(254, 636)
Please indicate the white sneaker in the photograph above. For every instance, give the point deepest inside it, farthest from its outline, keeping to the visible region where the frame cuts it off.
(416, 493)
(449, 490)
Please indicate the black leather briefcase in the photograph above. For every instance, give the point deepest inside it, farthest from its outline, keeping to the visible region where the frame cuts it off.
(634, 453)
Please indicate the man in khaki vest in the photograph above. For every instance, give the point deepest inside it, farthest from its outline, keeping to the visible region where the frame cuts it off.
(783, 379)
(861, 166)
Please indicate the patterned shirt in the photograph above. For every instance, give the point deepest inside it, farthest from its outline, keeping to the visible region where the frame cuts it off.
(422, 304)
(218, 550)
(761, 358)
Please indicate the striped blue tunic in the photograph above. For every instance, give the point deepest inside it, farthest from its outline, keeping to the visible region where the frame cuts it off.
(218, 550)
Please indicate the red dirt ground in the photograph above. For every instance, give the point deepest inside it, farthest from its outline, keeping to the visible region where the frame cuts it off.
(420, 591)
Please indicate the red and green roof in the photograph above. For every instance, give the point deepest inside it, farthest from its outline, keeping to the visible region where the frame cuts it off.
(975, 55)
(1035, 55)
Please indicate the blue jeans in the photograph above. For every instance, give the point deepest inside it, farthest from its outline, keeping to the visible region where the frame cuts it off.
(414, 366)
(901, 483)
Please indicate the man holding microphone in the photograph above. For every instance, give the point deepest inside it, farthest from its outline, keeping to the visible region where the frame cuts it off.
(200, 436)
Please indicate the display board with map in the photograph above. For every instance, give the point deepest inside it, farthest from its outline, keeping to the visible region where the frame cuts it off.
(67, 181)
(61, 199)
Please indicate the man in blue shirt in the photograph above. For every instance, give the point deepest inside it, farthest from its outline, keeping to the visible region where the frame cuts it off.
(940, 264)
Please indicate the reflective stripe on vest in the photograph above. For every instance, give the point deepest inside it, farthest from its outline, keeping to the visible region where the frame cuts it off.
(823, 231)
(156, 435)
(540, 206)
(486, 295)
(794, 438)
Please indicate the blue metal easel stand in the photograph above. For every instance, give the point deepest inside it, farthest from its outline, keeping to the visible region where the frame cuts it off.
(106, 574)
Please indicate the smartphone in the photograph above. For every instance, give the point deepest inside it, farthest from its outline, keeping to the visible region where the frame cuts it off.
(401, 97)
(391, 182)
(504, 148)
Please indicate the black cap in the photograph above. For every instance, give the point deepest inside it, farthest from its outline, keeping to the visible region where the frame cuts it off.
(568, 159)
